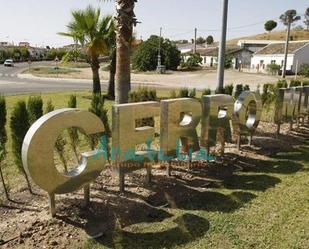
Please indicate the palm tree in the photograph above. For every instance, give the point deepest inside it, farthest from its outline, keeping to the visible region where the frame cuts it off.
(289, 17)
(93, 33)
(125, 20)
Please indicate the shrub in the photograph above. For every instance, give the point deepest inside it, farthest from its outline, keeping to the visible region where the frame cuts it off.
(3, 140)
(304, 70)
(282, 84)
(228, 61)
(192, 93)
(273, 68)
(206, 91)
(238, 91)
(97, 107)
(49, 107)
(306, 83)
(294, 83)
(183, 93)
(140, 95)
(34, 108)
(19, 125)
(73, 132)
(173, 94)
(143, 94)
(145, 57)
(60, 142)
(194, 61)
(269, 94)
(246, 88)
(228, 89)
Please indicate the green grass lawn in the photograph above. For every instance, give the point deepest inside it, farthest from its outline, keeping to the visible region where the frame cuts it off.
(266, 205)
(51, 70)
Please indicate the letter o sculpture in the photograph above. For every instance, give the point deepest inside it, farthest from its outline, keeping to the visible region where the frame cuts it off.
(247, 112)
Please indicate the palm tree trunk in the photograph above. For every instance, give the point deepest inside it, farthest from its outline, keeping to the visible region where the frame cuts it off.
(95, 66)
(286, 50)
(4, 186)
(112, 72)
(125, 20)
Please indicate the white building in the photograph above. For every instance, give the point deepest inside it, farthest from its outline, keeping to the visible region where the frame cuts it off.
(298, 54)
(24, 44)
(255, 45)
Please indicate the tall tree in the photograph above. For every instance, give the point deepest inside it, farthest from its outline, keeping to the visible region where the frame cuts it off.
(200, 40)
(289, 17)
(307, 18)
(3, 140)
(270, 25)
(93, 33)
(125, 20)
(209, 40)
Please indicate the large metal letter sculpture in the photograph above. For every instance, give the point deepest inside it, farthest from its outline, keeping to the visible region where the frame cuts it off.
(126, 136)
(304, 109)
(286, 106)
(38, 153)
(247, 114)
(179, 119)
(217, 113)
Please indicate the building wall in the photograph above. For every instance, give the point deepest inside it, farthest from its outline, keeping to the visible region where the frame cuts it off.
(209, 61)
(243, 57)
(302, 56)
(258, 66)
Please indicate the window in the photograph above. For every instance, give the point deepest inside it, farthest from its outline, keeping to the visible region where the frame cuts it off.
(273, 62)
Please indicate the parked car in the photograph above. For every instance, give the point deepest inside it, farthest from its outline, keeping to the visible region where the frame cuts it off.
(9, 63)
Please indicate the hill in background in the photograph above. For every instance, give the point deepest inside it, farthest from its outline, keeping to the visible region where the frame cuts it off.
(296, 35)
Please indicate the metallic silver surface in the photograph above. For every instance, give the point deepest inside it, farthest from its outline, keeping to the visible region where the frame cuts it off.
(179, 119)
(38, 151)
(125, 133)
(247, 113)
(303, 103)
(306, 98)
(216, 115)
(286, 104)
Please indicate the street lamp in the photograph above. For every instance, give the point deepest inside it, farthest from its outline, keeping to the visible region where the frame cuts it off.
(57, 60)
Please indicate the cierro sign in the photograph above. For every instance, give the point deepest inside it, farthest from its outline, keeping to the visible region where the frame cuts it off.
(179, 119)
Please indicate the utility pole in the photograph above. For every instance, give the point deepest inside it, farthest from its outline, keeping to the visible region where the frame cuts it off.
(195, 35)
(159, 53)
(222, 47)
(286, 50)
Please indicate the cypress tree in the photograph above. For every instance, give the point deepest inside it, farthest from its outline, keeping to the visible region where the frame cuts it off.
(3, 140)
(61, 142)
(34, 108)
(19, 125)
(97, 107)
(73, 132)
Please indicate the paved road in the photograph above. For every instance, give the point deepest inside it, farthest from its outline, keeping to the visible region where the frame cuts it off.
(10, 84)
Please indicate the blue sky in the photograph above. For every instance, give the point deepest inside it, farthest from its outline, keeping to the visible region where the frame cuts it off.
(38, 21)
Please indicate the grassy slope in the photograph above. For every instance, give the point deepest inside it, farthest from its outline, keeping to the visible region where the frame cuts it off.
(275, 35)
